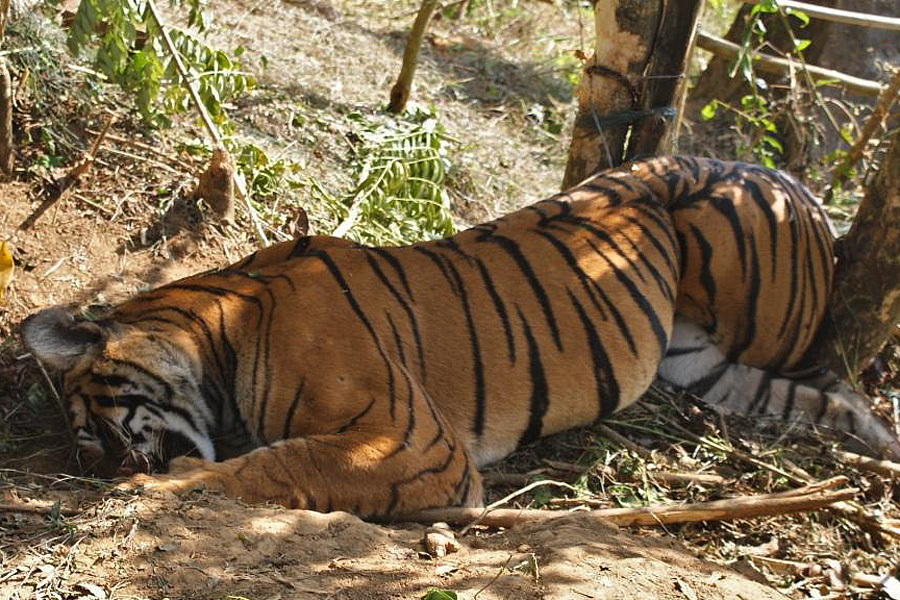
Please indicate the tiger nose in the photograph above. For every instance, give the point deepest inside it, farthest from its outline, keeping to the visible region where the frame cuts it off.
(133, 463)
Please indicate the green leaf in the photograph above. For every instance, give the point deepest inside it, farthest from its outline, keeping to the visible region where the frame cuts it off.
(438, 594)
(774, 143)
(823, 82)
(801, 45)
(709, 111)
(801, 16)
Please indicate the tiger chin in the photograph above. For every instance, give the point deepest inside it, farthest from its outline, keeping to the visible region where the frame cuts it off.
(379, 380)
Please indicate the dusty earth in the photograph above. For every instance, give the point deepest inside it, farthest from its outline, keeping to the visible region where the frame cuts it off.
(208, 547)
(132, 225)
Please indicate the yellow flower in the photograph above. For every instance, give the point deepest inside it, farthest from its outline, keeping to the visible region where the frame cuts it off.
(6, 267)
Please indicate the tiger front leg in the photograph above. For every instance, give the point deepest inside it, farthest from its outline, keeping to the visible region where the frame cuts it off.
(373, 475)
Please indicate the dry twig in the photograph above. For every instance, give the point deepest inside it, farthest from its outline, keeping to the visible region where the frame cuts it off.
(805, 499)
(874, 123)
(882, 467)
(62, 188)
(37, 509)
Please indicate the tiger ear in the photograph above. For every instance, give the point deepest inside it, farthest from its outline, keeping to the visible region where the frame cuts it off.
(56, 338)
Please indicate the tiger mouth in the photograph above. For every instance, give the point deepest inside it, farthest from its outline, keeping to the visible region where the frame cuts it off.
(108, 465)
(134, 463)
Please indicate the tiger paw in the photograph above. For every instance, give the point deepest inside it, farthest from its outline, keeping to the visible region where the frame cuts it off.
(183, 464)
(178, 484)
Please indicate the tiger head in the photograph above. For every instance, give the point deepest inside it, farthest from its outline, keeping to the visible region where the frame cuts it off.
(132, 394)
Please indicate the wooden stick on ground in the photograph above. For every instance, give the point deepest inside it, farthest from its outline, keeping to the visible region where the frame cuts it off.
(804, 499)
(882, 467)
(37, 509)
(616, 437)
(64, 186)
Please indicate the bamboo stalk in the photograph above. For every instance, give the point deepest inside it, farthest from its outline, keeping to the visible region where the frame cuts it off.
(838, 15)
(773, 64)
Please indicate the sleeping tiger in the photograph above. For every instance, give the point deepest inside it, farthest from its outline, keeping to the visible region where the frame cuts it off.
(379, 380)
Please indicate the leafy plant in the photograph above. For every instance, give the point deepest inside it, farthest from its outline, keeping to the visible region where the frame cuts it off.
(128, 49)
(267, 181)
(439, 594)
(401, 166)
(756, 117)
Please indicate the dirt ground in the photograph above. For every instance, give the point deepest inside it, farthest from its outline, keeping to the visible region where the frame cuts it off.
(132, 225)
(208, 547)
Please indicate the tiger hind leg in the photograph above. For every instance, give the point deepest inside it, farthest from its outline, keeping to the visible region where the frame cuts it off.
(693, 362)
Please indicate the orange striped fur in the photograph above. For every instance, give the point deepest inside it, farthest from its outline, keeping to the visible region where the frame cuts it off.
(378, 380)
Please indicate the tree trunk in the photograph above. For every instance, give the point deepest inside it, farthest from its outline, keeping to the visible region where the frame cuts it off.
(865, 302)
(639, 60)
(7, 147)
(401, 90)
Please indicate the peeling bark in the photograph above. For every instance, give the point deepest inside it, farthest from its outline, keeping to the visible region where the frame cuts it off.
(638, 62)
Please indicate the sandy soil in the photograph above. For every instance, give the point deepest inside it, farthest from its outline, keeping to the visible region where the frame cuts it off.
(209, 547)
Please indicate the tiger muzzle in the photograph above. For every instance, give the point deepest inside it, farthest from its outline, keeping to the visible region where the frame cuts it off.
(133, 464)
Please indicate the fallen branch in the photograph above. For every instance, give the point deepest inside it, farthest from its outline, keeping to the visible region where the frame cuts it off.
(680, 478)
(493, 478)
(164, 157)
(805, 499)
(670, 477)
(37, 509)
(484, 511)
(851, 510)
(882, 467)
(617, 438)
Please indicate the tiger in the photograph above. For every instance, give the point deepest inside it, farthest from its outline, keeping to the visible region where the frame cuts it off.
(379, 380)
